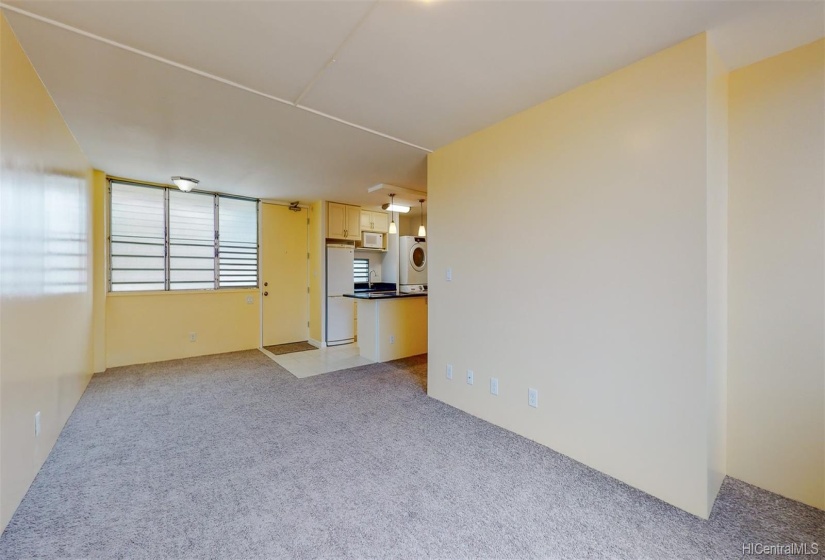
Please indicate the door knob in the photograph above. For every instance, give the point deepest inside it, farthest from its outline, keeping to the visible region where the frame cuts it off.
(266, 283)
(266, 293)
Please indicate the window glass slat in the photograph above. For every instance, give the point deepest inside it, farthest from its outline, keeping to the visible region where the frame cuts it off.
(137, 237)
(237, 243)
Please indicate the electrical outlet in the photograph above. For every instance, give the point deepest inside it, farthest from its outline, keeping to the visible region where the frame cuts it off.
(193, 337)
(533, 398)
(493, 386)
(449, 275)
(449, 371)
(250, 300)
(37, 423)
(392, 339)
(470, 377)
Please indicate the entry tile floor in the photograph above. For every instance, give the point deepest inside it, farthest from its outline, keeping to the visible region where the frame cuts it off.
(322, 360)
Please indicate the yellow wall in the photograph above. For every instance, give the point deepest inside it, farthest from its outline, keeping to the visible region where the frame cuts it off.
(605, 309)
(100, 188)
(46, 350)
(776, 436)
(408, 223)
(145, 327)
(151, 327)
(317, 256)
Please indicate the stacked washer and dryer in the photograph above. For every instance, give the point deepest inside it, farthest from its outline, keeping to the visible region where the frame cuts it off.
(413, 264)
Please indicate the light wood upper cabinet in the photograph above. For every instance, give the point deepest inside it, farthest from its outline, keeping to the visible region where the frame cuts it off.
(381, 222)
(366, 220)
(336, 220)
(354, 223)
(375, 221)
(343, 221)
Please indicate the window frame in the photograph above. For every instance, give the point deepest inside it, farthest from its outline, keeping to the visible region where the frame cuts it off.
(166, 240)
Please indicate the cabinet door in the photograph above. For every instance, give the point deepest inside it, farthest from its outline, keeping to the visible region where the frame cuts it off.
(353, 223)
(380, 222)
(366, 220)
(336, 220)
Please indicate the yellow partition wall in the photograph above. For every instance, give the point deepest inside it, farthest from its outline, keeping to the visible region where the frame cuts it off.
(601, 302)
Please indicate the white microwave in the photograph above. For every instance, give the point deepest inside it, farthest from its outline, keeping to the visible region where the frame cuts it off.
(371, 240)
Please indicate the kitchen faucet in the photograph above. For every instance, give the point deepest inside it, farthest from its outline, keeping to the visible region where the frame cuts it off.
(369, 282)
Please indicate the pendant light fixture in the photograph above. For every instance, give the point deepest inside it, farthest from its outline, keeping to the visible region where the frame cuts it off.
(422, 231)
(393, 227)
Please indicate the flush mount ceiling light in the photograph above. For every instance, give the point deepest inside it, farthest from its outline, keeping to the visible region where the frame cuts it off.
(422, 231)
(185, 184)
(393, 227)
(391, 207)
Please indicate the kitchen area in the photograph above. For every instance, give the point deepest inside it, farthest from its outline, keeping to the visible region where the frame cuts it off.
(376, 277)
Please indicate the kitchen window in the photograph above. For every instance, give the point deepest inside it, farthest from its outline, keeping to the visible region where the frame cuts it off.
(361, 269)
(163, 239)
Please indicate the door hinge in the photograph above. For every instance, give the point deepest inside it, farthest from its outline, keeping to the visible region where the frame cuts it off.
(307, 289)
(307, 256)
(307, 324)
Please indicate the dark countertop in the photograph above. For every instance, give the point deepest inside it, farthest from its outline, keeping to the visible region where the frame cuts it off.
(376, 287)
(383, 295)
(379, 290)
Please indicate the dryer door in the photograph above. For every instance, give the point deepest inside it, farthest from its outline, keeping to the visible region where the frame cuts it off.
(418, 257)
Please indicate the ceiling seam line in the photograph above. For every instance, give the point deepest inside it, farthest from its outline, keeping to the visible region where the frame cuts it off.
(204, 74)
(335, 54)
(358, 126)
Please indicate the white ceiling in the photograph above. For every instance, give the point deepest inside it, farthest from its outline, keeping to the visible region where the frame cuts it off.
(422, 74)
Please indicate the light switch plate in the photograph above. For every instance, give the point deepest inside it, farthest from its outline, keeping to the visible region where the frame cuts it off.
(494, 386)
(449, 371)
(533, 398)
(470, 377)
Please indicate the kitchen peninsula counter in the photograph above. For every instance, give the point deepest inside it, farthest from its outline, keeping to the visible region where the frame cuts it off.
(391, 325)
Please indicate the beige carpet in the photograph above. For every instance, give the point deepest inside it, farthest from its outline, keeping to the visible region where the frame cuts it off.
(230, 456)
(290, 348)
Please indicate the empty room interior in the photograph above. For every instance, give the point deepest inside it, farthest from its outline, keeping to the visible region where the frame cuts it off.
(223, 333)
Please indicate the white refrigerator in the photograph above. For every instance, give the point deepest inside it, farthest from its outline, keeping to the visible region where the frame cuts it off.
(340, 281)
